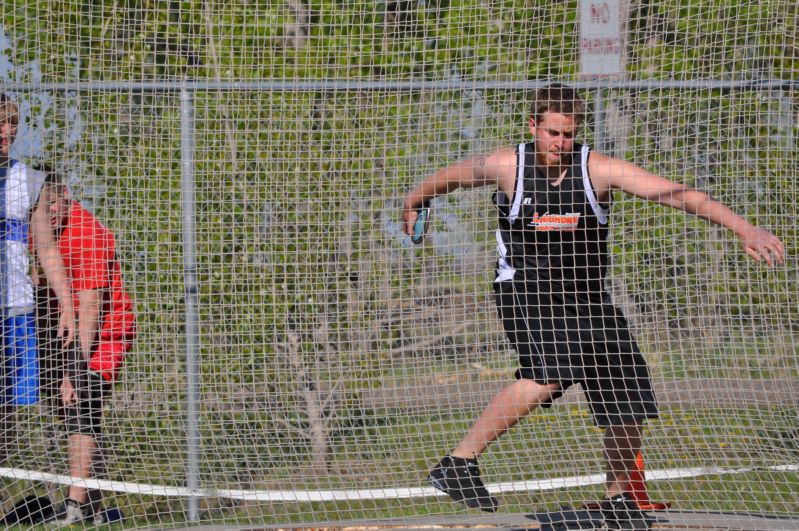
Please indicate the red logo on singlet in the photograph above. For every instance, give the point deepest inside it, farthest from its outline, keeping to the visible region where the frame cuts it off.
(561, 222)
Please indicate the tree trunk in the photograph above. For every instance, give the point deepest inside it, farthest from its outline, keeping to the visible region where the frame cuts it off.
(309, 391)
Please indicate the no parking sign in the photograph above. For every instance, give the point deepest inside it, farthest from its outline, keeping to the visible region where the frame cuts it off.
(601, 39)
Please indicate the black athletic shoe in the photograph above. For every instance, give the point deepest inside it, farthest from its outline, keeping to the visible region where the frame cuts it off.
(460, 479)
(621, 512)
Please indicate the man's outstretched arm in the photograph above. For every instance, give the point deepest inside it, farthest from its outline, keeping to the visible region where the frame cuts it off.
(497, 168)
(610, 173)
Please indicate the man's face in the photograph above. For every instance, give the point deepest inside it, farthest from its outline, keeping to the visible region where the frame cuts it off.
(554, 138)
(8, 131)
(58, 201)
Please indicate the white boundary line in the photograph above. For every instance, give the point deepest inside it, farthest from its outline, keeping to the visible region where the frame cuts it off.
(365, 494)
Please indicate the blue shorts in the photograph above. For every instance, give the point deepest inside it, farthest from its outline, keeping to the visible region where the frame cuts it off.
(20, 361)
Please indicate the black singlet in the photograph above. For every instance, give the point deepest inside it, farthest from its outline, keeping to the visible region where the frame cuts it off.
(557, 234)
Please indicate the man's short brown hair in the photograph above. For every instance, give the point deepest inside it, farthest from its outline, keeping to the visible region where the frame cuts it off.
(9, 112)
(558, 98)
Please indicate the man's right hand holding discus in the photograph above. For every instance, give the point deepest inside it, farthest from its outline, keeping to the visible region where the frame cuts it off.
(416, 221)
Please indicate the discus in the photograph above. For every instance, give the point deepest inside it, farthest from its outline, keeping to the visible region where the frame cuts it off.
(422, 221)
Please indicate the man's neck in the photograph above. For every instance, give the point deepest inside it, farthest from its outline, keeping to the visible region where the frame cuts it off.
(553, 174)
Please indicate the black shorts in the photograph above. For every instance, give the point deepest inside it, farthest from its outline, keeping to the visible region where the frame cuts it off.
(570, 338)
(84, 417)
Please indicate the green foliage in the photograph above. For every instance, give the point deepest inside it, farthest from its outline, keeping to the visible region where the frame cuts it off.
(690, 39)
(300, 264)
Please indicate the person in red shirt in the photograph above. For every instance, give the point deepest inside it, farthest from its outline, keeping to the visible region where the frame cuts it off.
(106, 328)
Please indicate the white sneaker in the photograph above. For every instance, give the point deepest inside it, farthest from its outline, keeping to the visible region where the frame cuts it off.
(73, 514)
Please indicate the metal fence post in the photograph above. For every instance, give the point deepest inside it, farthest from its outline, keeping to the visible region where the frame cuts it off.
(599, 121)
(187, 164)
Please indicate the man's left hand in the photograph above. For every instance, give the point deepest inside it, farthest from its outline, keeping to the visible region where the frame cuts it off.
(760, 244)
(68, 393)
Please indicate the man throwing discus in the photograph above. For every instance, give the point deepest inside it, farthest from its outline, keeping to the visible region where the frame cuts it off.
(553, 201)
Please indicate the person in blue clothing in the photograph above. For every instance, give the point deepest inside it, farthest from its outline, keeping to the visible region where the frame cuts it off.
(20, 186)
(553, 199)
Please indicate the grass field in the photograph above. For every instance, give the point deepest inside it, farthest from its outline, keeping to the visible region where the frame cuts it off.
(551, 444)
(394, 444)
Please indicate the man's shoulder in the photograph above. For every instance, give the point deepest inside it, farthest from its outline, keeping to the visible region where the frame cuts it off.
(22, 185)
(506, 151)
(23, 169)
(80, 215)
(605, 164)
(504, 158)
(83, 224)
(604, 158)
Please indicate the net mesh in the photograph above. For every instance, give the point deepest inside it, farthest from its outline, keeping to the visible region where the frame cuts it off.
(336, 362)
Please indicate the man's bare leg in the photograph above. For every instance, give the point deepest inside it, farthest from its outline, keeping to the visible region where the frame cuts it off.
(456, 474)
(81, 456)
(619, 509)
(505, 410)
(622, 444)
